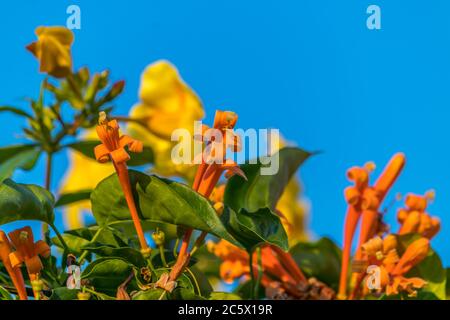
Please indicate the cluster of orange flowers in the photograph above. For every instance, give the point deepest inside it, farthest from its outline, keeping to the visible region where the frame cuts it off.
(392, 268)
(26, 252)
(364, 203)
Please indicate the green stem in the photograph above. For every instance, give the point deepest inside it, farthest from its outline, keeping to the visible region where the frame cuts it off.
(61, 239)
(162, 295)
(48, 170)
(85, 252)
(252, 276)
(175, 248)
(195, 281)
(163, 256)
(258, 279)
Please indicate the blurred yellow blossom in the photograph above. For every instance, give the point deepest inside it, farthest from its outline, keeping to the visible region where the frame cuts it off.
(52, 49)
(167, 103)
(83, 174)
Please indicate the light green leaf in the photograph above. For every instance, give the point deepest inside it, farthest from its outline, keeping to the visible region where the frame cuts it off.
(263, 191)
(157, 200)
(224, 296)
(5, 295)
(25, 202)
(152, 294)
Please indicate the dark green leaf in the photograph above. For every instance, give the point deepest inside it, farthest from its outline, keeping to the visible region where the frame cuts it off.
(320, 259)
(72, 197)
(106, 274)
(64, 293)
(157, 200)
(14, 157)
(15, 110)
(263, 191)
(256, 228)
(78, 238)
(131, 255)
(136, 159)
(25, 202)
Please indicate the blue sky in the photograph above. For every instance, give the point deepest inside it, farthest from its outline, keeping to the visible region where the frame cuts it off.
(310, 68)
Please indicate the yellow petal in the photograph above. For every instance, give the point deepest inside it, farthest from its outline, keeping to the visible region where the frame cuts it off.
(167, 103)
(83, 174)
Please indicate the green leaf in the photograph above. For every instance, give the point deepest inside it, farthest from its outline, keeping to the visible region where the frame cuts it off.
(5, 295)
(64, 293)
(14, 157)
(320, 259)
(136, 159)
(153, 294)
(430, 269)
(224, 296)
(131, 255)
(25, 202)
(157, 200)
(16, 111)
(78, 238)
(263, 191)
(256, 228)
(106, 274)
(447, 289)
(72, 197)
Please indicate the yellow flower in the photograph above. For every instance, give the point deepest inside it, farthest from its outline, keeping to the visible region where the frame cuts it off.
(83, 174)
(293, 212)
(52, 49)
(167, 103)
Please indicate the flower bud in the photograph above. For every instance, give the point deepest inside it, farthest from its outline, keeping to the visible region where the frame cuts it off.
(84, 296)
(159, 237)
(389, 243)
(414, 254)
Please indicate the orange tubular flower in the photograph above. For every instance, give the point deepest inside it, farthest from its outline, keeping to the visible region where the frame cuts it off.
(28, 252)
(276, 264)
(14, 272)
(113, 149)
(364, 202)
(383, 253)
(414, 218)
(208, 174)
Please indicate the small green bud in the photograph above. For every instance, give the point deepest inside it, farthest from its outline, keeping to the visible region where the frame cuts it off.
(159, 237)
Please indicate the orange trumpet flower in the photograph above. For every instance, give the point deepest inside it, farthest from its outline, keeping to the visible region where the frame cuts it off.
(364, 202)
(14, 272)
(28, 252)
(113, 149)
(209, 172)
(383, 253)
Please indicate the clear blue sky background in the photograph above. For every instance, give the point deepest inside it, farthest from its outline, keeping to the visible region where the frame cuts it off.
(310, 68)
